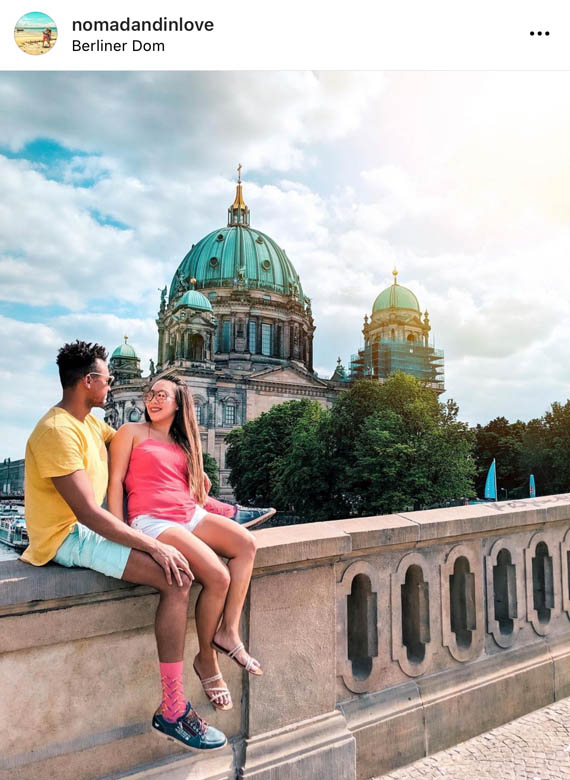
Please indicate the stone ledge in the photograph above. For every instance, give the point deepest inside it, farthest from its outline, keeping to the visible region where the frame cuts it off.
(379, 531)
(489, 517)
(22, 583)
(298, 543)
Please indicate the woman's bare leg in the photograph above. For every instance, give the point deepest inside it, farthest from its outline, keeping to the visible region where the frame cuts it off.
(238, 545)
(214, 578)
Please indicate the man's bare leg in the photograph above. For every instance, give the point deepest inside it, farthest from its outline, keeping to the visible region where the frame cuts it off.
(172, 611)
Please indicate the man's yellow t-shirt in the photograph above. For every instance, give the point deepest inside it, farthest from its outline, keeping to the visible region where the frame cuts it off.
(60, 444)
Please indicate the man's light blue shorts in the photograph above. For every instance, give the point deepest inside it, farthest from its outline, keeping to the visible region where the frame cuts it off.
(84, 547)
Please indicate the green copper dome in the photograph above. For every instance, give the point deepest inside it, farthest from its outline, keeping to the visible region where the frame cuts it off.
(195, 300)
(237, 255)
(396, 297)
(125, 351)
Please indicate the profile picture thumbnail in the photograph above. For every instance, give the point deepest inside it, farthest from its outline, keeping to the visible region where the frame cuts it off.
(35, 33)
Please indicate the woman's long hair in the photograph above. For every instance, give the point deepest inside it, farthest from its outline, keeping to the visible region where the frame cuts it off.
(185, 433)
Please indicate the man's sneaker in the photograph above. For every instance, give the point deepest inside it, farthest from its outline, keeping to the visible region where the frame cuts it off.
(190, 730)
(250, 516)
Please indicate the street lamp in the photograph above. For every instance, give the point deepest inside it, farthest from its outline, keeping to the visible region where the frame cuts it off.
(506, 493)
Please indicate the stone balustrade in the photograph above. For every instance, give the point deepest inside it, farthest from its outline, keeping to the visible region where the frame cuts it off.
(383, 639)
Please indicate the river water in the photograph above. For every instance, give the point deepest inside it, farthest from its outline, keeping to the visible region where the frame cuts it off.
(8, 553)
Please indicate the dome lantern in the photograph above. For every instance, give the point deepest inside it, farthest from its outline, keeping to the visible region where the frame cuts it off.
(124, 362)
(238, 212)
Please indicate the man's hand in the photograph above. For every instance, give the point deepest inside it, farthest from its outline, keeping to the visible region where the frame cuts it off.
(172, 561)
(207, 482)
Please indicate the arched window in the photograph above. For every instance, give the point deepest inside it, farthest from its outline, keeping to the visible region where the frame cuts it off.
(134, 415)
(226, 336)
(251, 329)
(229, 413)
(197, 347)
(266, 339)
(198, 412)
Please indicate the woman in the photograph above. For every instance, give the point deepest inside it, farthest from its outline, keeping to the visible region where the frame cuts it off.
(159, 463)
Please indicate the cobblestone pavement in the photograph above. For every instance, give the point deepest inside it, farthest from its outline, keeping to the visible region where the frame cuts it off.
(534, 747)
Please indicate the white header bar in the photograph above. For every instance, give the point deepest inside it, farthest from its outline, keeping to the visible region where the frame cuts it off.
(297, 34)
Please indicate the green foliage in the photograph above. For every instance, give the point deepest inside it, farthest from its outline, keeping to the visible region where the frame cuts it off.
(546, 450)
(410, 453)
(254, 452)
(381, 448)
(540, 447)
(503, 441)
(211, 469)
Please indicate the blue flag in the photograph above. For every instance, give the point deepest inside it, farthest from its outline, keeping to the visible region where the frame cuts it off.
(491, 482)
(531, 487)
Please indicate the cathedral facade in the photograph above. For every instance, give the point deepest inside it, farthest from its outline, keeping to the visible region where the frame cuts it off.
(238, 327)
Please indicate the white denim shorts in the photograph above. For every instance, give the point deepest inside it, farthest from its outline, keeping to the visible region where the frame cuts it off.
(154, 526)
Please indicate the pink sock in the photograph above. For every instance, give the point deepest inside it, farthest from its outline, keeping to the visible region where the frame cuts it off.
(173, 699)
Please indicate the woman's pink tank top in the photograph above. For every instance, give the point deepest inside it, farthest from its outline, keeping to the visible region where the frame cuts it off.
(157, 482)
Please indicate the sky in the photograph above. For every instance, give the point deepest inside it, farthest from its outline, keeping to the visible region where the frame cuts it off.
(458, 179)
(34, 19)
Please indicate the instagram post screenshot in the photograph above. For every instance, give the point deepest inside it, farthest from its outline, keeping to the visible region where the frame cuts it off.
(284, 391)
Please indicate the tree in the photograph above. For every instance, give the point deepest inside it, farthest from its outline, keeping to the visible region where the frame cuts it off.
(381, 448)
(546, 450)
(255, 450)
(211, 469)
(503, 441)
(411, 453)
(304, 474)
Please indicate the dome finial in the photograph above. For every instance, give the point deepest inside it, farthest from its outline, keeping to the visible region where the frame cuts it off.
(238, 212)
(126, 338)
(193, 283)
(395, 274)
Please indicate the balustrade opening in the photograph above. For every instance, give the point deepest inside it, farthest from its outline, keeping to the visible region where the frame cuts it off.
(362, 615)
(462, 602)
(415, 614)
(542, 582)
(505, 592)
(568, 568)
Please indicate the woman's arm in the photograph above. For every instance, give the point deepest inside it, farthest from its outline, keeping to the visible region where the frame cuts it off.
(120, 454)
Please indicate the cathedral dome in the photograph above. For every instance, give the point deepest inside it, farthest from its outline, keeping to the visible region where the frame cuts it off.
(125, 351)
(195, 300)
(237, 255)
(396, 297)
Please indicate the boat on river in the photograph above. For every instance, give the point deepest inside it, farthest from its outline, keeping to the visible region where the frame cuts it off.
(13, 531)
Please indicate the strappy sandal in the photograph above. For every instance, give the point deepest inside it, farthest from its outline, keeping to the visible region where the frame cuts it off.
(215, 694)
(252, 666)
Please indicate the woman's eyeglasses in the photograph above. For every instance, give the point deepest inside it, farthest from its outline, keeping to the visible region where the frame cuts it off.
(159, 396)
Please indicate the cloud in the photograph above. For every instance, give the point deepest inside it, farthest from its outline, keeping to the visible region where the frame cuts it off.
(457, 179)
(263, 119)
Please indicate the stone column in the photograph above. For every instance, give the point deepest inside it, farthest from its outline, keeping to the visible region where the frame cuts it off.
(286, 341)
(284, 601)
(160, 351)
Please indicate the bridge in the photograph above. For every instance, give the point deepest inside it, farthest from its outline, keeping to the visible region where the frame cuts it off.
(383, 640)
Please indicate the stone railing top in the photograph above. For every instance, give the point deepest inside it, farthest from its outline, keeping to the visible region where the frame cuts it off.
(21, 583)
(279, 546)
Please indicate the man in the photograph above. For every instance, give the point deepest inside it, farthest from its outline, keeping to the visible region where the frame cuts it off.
(66, 482)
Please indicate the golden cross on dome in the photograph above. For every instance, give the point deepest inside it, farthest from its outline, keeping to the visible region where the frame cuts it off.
(239, 172)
